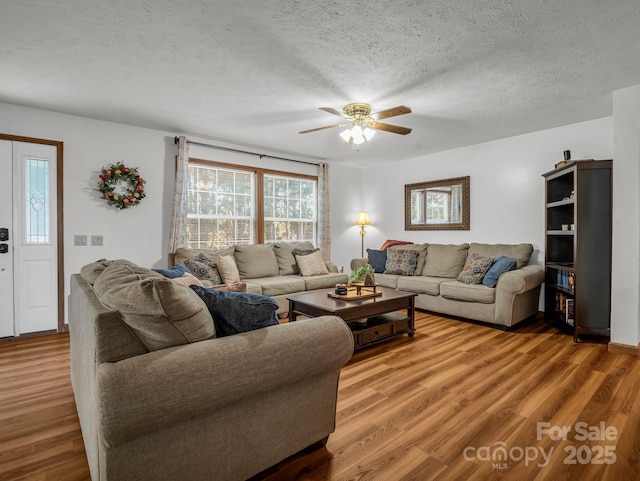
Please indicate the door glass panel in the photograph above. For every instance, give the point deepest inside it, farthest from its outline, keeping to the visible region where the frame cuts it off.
(36, 208)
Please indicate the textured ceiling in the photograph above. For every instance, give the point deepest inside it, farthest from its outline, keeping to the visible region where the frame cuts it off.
(256, 72)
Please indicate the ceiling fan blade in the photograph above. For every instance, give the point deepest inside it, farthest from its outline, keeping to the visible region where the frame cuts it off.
(385, 114)
(390, 128)
(333, 111)
(321, 128)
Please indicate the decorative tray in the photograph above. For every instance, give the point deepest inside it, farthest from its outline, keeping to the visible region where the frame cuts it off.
(357, 291)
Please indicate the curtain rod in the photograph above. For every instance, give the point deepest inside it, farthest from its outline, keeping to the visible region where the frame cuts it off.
(175, 141)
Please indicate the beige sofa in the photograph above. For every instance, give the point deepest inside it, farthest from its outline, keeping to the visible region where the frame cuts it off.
(160, 399)
(270, 269)
(514, 298)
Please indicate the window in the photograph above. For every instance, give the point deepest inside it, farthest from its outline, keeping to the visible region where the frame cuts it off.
(36, 209)
(223, 205)
(289, 209)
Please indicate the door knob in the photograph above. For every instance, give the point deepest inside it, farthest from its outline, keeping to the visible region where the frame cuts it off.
(4, 234)
(4, 248)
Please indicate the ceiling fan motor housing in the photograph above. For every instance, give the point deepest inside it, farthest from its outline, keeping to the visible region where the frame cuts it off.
(357, 110)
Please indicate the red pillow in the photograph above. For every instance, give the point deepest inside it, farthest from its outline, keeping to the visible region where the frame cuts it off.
(392, 242)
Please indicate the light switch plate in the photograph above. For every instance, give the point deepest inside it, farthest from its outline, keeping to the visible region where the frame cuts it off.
(79, 240)
(97, 240)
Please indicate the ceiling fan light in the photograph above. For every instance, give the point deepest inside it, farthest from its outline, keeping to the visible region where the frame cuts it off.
(356, 133)
(346, 135)
(368, 133)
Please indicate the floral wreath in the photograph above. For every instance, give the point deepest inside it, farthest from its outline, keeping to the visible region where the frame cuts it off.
(116, 175)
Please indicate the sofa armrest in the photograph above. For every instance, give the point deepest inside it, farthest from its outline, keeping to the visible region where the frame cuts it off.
(359, 262)
(518, 294)
(521, 280)
(331, 266)
(163, 388)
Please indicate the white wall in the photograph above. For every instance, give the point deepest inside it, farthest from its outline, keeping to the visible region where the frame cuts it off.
(139, 234)
(507, 187)
(626, 218)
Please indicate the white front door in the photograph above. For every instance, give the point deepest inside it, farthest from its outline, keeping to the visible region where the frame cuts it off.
(6, 240)
(29, 288)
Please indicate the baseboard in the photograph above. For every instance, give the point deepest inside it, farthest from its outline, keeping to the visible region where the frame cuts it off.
(617, 348)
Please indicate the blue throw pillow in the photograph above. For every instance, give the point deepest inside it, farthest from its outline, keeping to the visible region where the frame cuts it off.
(377, 259)
(176, 271)
(501, 265)
(235, 312)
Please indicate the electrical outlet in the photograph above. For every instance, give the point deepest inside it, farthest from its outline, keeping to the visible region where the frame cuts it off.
(97, 240)
(79, 240)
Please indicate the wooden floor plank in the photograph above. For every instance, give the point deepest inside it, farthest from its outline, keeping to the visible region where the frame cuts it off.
(437, 406)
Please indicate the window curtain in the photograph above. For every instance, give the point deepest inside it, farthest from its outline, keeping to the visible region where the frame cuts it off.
(178, 228)
(324, 211)
(456, 208)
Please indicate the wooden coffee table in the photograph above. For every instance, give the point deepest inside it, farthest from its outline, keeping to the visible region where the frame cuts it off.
(371, 320)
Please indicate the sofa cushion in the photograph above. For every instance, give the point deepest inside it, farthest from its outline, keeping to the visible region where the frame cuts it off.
(90, 272)
(158, 311)
(500, 266)
(377, 259)
(311, 264)
(445, 260)
(325, 281)
(279, 285)
(521, 253)
(286, 260)
(388, 280)
(474, 269)
(460, 291)
(421, 249)
(228, 269)
(421, 284)
(236, 312)
(256, 261)
(401, 262)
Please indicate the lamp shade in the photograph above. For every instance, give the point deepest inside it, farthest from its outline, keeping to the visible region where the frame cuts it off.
(363, 219)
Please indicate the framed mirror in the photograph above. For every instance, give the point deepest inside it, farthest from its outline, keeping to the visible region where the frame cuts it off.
(437, 205)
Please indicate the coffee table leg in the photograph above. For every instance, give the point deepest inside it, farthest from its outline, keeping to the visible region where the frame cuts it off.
(411, 313)
(292, 314)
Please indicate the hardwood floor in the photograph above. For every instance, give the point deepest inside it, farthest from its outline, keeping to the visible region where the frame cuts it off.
(436, 407)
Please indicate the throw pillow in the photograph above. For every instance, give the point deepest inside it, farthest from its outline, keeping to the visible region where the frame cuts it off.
(228, 270)
(286, 260)
(203, 269)
(392, 242)
(159, 312)
(312, 264)
(474, 269)
(304, 252)
(500, 266)
(401, 262)
(377, 259)
(187, 279)
(176, 271)
(235, 312)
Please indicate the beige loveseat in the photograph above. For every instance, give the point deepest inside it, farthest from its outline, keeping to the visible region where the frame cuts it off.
(160, 399)
(269, 269)
(514, 298)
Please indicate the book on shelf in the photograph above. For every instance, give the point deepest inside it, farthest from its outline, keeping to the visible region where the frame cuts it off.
(570, 312)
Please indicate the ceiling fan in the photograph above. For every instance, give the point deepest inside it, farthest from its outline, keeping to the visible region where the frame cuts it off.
(361, 123)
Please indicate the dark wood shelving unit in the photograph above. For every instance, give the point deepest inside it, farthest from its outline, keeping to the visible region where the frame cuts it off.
(578, 248)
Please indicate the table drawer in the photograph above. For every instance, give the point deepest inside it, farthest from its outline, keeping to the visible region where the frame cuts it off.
(376, 332)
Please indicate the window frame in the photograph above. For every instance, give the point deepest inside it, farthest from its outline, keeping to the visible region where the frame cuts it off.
(259, 173)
